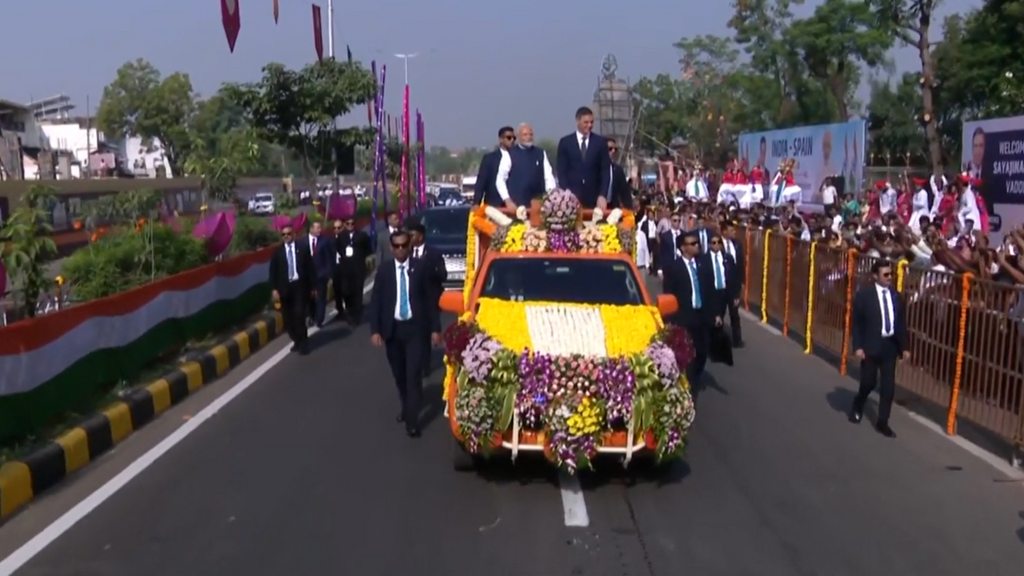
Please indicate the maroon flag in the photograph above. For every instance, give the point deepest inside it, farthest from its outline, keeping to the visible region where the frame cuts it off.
(277, 11)
(229, 14)
(318, 33)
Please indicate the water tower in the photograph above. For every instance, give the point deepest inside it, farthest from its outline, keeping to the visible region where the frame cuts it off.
(613, 106)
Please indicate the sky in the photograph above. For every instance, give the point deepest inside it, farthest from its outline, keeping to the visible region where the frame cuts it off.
(481, 64)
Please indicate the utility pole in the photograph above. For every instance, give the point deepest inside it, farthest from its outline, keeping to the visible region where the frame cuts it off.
(330, 28)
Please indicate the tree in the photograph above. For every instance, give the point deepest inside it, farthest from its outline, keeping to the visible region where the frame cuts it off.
(833, 40)
(29, 245)
(297, 109)
(911, 23)
(893, 116)
(141, 103)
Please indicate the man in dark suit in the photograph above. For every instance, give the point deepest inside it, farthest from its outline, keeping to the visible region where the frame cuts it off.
(400, 313)
(734, 249)
(879, 334)
(619, 194)
(351, 249)
(667, 251)
(583, 163)
(700, 308)
(485, 191)
(430, 262)
(292, 278)
(316, 251)
(322, 251)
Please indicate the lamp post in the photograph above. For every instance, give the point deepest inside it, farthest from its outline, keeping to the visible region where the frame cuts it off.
(406, 206)
(330, 28)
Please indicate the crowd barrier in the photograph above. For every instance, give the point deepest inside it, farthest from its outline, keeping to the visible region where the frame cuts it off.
(966, 334)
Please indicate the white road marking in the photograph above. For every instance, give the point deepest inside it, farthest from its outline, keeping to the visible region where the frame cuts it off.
(1000, 464)
(573, 505)
(48, 535)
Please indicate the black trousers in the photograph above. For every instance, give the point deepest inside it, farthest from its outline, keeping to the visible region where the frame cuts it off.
(404, 350)
(294, 310)
(700, 333)
(734, 323)
(320, 302)
(879, 371)
(348, 297)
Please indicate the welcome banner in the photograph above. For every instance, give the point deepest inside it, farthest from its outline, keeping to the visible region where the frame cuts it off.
(993, 150)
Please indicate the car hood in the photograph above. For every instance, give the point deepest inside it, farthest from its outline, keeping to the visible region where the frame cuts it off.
(448, 246)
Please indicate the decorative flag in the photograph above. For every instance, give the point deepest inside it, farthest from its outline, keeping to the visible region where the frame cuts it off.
(318, 33)
(370, 104)
(277, 11)
(229, 15)
(349, 50)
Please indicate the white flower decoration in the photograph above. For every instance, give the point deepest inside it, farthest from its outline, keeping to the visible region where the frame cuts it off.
(497, 216)
(598, 214)
(615, 216)
(521, 213)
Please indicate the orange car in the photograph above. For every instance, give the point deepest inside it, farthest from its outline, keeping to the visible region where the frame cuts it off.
(559, 348)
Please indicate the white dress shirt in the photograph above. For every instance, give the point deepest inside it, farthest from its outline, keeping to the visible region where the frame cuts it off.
(718, 267)
(730, 248)
(689, 262)
(292, 259)
(885, 304)
(312, 245)
(505, 168)
(402, 269)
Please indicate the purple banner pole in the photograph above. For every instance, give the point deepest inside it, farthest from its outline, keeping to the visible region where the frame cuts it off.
(379, 177)
(421, 160)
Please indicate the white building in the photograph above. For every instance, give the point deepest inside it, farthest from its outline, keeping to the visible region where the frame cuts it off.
(20, 139)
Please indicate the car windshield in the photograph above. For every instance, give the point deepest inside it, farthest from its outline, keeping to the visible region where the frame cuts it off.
(575, 280)
(447, 222)
(264, 198)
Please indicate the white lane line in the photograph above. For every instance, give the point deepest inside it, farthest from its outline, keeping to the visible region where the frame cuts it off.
(40, 541)
(573, 505)
(995, 461)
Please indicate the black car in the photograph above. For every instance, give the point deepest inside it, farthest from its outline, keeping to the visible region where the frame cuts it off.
(446, 231)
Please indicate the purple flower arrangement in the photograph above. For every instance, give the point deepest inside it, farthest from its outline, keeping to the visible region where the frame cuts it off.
(617, 385)
(560, 210)
(478, 357)
(665, 365)
(564, 241)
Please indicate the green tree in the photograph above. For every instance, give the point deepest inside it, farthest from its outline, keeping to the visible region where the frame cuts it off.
(139, 102)
(910, 21)
(29, 246)
(833, 40)
(893, 119)
(297, 109)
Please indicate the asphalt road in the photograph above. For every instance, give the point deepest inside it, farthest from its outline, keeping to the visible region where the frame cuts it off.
(307, 473)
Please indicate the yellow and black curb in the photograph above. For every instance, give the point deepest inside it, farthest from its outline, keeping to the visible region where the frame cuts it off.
(23, 480)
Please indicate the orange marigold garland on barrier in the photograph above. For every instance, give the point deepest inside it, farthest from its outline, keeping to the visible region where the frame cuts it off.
(961, 343)
(789, 282)
(764, 279)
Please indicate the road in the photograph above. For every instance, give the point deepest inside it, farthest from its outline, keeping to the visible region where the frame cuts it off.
(308, 473)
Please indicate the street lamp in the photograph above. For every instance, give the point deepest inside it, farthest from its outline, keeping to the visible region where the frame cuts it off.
(405, 58)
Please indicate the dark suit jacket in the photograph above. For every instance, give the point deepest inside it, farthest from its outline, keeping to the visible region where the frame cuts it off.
(741, 263)
(677, 282)
(384, 298)
(587, 177)
(620, 195)
(303, 266)
(666, 248)
(485, 189)
(323, 257)
(433, 268)
(732, 281)
(354, 265)
(866, 324)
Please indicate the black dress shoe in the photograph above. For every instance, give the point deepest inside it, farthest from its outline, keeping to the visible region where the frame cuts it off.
(884, 430)
(413, 432)
(400, 417)
(855, 416)
(295, 348)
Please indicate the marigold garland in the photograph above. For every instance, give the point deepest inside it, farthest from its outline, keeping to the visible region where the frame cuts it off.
(901, 275)
(811, 272)
(961, 343)
(789, 283)
(630, 328)
(746, 272)
(610, 239)
(851, 264)
(471, 248)
(764, 279)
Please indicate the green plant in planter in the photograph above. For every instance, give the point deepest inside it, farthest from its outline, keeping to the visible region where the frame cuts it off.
(29, 246)
(252, 233)
(126, 258)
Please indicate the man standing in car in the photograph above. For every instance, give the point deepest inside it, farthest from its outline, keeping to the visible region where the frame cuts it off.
(485, 191)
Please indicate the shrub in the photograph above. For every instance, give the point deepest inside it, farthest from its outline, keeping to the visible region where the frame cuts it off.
(252, 233)
(122, 259)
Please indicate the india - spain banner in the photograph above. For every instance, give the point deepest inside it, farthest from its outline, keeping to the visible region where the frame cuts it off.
(54, 362)
(993, 151)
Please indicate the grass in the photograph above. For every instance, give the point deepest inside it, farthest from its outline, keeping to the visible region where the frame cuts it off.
(18, 448)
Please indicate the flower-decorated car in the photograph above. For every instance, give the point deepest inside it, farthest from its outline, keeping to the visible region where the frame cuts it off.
(558, 347)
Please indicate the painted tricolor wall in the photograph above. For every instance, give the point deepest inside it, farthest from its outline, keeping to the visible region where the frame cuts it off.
(53, 363)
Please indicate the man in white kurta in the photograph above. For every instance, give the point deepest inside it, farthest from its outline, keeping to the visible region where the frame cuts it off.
(919, 205)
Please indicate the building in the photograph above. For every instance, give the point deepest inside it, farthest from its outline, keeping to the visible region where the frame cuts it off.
(52, 108)
(21, 141)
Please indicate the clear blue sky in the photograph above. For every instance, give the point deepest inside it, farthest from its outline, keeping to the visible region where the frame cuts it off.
(482, 63)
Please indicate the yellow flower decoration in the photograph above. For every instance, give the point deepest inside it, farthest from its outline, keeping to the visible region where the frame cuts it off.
(628, 328)
(586, 420)
(611, 243)
(471, 247)
(812, 272)
(514, 238)
(764, 279)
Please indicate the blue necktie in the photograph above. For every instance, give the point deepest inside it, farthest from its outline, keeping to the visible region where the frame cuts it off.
(719, 273)
(886, 319)
(403, 294)
(291, 262)
(696, 285)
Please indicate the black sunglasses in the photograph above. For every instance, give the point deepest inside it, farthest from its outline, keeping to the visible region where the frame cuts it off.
(286, 234)
(510, 138)
(690, 243)
(403, 245)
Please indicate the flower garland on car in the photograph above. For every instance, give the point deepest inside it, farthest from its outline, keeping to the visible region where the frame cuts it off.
(501, 372)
